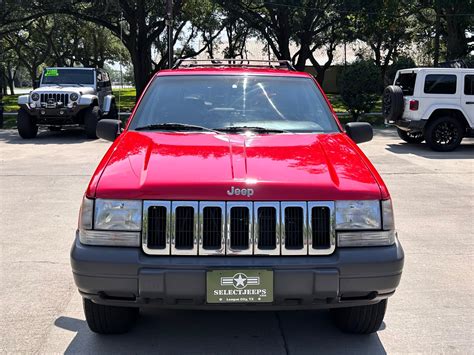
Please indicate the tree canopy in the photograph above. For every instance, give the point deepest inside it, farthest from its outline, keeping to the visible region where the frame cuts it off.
(92, 32)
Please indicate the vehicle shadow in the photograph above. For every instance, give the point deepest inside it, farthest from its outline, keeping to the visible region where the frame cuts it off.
(66, 136)
(464, 151)
(213, 332)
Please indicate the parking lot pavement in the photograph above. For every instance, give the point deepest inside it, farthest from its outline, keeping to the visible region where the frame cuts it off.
(41, 184)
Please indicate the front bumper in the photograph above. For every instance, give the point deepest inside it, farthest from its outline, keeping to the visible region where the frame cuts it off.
(48, 113)
(129, 277)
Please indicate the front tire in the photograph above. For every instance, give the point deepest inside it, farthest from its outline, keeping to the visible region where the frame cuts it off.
(360, 319)
(410, 137)
(26, 124)
(91, 117)
(103, 319)
(444, 133)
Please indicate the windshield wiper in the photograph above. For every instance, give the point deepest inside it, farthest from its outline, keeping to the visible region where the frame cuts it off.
(251, 128)
(171, 126)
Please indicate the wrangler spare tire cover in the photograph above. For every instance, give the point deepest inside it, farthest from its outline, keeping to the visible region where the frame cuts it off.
(392, 103)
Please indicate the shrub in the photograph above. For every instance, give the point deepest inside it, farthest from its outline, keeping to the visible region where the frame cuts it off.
(360, 87)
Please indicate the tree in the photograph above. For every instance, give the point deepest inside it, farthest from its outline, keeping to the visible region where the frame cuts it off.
(360, 87)
(31, 46)
(311, 24)
(446, 24)
(384, 25)
(140, 24)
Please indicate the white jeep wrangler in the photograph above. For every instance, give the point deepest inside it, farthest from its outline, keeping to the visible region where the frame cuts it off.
(435, 105)
(67, 96)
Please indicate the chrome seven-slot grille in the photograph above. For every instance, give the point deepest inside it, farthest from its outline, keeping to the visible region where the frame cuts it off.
(238, 228)
(57, 97)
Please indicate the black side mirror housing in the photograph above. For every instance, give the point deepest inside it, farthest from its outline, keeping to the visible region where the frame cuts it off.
(108, 129)
(359, 132)
(36, 84)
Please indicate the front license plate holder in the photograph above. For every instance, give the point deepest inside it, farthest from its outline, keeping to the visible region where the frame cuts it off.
(239, 286)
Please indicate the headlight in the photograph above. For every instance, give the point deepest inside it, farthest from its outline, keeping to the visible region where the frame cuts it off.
(110, 222)
(365, 223)
(358, 215)
(116, 215)
(74, 96)
(35, 96)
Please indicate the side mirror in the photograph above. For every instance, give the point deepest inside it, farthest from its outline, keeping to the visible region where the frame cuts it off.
(108, 129)
(36, 84)
(359, 132)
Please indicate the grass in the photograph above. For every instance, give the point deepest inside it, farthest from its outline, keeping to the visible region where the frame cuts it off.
(10, 103)
(125, 99)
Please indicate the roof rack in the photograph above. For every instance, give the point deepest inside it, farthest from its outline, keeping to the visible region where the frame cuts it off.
(233, 63)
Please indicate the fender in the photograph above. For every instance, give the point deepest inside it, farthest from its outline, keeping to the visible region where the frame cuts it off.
(87, 99)
(23, 100)
(429, 111)
(107, 103)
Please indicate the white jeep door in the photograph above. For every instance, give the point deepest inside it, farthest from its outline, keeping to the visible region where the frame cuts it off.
(467, 97)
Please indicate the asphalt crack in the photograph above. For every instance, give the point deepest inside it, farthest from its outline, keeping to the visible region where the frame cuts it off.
(282, 333)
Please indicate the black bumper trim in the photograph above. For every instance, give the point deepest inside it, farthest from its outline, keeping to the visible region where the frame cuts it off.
(127, 276)
(411, 125)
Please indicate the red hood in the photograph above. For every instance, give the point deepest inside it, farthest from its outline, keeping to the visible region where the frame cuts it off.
(202, 166)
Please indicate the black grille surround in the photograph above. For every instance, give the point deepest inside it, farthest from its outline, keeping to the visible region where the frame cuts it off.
(238, 228)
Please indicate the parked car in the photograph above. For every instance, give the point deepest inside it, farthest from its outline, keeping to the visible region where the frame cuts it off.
(435, 105)
(234, 187)
(67, 96)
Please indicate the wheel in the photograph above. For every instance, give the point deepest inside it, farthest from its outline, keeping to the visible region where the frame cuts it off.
(444, 134)
(109, 319)
(91, 117)
(26, 124)
(410, 137)
(113, 112)
(392, 103)
(360, 319)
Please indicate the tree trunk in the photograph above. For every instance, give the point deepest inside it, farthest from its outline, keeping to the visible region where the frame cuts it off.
(10, 80)
(436, 39)
(456, 38)
(142, 67)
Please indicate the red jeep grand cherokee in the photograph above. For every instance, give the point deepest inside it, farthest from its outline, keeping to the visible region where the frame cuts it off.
(234, 187)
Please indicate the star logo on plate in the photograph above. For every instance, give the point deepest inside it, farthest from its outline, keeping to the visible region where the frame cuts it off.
(240, 281)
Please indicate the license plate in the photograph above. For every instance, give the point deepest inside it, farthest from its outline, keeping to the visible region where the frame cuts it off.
(240, 286)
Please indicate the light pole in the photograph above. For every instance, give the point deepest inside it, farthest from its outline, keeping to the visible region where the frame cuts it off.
(169, 23)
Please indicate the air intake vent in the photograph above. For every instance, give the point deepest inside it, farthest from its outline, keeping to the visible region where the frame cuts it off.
(294, 228)
(239, 228)
(212, 228)
(267, 228)
(321, 227)
(184, 228)
(157, 225)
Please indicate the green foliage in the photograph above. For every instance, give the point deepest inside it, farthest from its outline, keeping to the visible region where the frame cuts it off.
(360, 87)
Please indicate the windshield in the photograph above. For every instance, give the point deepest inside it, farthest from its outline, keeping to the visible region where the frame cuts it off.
(68, 76)
(222, 101)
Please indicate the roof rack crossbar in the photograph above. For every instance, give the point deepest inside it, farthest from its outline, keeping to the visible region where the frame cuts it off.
(234, 62)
